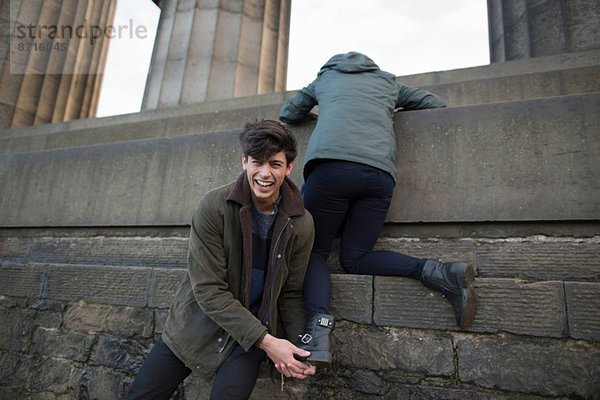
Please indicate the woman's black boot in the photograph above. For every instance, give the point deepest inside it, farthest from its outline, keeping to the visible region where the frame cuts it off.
(317, 337)
(453, 280)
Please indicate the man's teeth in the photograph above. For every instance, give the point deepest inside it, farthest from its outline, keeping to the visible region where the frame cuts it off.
(263, 183)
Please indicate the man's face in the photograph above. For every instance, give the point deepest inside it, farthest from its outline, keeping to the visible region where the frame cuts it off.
(265, 178)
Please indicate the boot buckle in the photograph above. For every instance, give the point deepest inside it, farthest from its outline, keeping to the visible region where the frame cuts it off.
(306, 338)
(325, 321)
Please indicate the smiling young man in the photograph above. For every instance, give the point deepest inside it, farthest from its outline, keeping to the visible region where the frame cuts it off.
(249, 247)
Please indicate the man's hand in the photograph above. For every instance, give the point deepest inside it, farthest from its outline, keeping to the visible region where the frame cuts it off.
(281, 352)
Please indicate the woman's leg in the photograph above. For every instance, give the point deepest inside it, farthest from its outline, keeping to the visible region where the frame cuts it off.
(160, 374)
(325, 197)
(363, 226)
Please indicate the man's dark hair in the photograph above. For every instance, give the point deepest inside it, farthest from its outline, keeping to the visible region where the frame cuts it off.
(260, 140)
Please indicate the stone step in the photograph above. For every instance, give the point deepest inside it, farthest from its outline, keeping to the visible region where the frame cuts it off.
(553, 309)
(489, 162)
(555, 75)
(564, 74)
(527, 259)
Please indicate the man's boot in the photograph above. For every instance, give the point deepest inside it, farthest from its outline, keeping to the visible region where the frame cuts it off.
(453, 280)
(317, 337)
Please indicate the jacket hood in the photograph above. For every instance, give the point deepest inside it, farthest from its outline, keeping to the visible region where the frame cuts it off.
(352, 62)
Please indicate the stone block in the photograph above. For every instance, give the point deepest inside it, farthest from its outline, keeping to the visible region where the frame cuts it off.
(165, 283)
(21, 280)
(49, 375)
(553, 368)
(13, 330)
(583, 305)
(351, 297)
(499, 162)
(14, 249)
(536, 309)
(99, 383)
(109, 285)
(130, 322)
(540, 258)
(160, 318)
(105, 134)
(47, 314)
(115, 251)
(127, 322)
(372, 348)
(118, 354)
(84, 317)
(518, 87)
(406, 302)
(62, 344)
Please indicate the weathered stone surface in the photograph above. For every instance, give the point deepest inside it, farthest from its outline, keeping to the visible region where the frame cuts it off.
(517, 87)
(100, 383)
(432, 392)
(501, 169)
(165, 283)
(13, 329)
(21, 280)
(14, 249)
(118, 353)
(533, 309)
(45, 375)
(583, 303)
(536, 309)
(540, 258)
(406, 302)
(120, 321)
(110, 285)
(546, 367)
(351, 297)
(160, 317)
(114, 251)
(390, 348)
(62, 344)
(85, 317)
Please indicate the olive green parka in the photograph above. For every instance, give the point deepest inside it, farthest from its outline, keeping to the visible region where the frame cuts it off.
(210, 311)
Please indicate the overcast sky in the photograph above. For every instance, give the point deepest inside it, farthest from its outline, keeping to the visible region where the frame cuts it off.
(402, 36)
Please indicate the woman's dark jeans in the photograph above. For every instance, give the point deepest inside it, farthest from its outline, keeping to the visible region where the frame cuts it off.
(349, 200)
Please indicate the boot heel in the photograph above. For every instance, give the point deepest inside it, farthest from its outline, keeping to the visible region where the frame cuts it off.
(469, 276)
(470, 309)
(320, 356)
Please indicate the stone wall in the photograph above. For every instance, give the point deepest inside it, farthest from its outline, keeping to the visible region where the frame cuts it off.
(80, 319)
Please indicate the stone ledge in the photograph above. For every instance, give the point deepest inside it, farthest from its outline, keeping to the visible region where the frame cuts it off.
(481, 172)
(526, 258)
(533, 309)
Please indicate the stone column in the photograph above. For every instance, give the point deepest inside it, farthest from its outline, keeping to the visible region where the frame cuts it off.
(532, 28)
(52, 67)
(218, 49)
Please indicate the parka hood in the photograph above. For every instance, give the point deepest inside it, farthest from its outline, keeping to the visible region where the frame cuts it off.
(352, 62)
